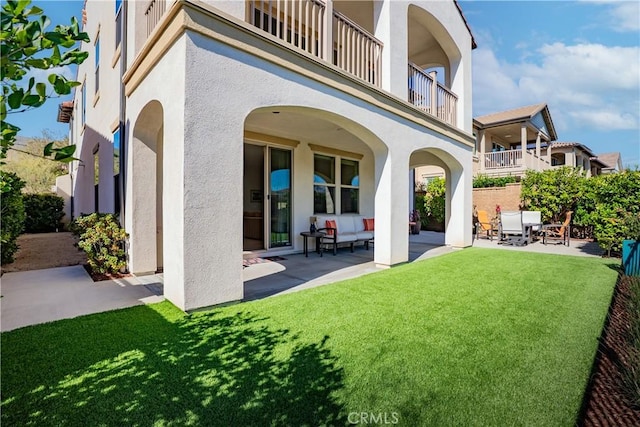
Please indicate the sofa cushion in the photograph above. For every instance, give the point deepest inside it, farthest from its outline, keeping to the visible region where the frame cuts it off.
(365, 235)
(345, 224)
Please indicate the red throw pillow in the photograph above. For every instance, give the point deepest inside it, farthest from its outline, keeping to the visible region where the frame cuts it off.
(368, 224)
(330, 224)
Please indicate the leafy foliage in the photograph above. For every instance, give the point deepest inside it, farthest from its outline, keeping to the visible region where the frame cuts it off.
(434, 199)
(102, 238)
(484, 181)
(553, 192)
(28, 43)
(611, 204)
(43, 212)
(13, 216)
(39, 173)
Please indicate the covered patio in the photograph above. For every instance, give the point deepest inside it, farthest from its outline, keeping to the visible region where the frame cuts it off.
(290, 273)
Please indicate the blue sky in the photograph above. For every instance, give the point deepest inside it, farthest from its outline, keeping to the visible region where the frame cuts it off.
(580, 57)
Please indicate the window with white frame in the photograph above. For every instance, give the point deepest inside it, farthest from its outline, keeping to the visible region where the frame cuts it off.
(83, 97)
(326, 182)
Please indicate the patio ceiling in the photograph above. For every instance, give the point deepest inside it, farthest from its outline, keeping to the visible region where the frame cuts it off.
(301, 127)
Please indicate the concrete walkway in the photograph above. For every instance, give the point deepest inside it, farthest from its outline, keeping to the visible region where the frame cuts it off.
(39, 296)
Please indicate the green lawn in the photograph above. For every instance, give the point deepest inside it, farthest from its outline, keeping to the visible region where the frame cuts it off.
(476, 337)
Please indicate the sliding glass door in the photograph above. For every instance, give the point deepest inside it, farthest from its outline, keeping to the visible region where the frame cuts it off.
(279, 197)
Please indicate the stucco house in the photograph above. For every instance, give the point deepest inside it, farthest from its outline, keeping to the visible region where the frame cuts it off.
(216, 129)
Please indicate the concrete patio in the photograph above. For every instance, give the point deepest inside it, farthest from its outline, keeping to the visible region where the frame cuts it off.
(40, 296)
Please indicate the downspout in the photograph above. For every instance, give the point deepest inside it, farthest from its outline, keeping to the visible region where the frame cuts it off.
(123, 112)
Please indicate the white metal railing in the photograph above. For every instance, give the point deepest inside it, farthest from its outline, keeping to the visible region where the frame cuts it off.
(297, 22)
(503, 159)
(427, 94)
(153, 13)
(356, 51)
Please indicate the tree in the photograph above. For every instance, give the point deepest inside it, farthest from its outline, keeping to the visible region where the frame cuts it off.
(38, 173)
(27, 43)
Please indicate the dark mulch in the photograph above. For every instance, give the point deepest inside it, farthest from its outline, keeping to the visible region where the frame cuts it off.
(605, 404)
(99, 277)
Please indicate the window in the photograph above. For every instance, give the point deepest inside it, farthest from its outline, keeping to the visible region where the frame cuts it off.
(118, 22)
(83, 94)
(97, 62)
(116, 152)
(325, 184)
(349, 186)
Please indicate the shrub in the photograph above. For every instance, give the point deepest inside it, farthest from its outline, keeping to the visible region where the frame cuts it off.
(483, 181)
(434, 200)
(43, 212)
(553, 192)
(102, 238)
(612, 204)
(12, 222)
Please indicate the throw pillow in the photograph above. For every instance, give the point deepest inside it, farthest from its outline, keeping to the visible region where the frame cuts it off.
(330, 224)
(368, 224)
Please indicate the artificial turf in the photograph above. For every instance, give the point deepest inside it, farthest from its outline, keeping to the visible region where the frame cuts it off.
(476, 337)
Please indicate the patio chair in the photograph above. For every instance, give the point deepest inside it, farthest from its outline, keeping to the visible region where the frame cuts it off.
(558, 232)
(532, 220)
(511, 230)
(484, 224)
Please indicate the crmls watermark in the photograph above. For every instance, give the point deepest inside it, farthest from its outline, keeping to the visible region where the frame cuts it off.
(373, 418)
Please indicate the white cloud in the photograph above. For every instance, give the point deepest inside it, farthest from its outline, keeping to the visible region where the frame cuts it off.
(624, 15)
(586, 85)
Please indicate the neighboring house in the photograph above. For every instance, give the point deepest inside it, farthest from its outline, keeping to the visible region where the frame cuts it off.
(217, 129)
(510, 142)
(576, 155)
(612, 162)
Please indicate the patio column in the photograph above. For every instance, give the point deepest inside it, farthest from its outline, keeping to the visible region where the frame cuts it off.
(538, 147)
(395, 51)
(482, 140)
(327, 36)
(459, 196)
(391, 208)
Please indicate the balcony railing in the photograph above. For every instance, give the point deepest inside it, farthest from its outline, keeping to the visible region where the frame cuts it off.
(355, 50)
(503, 159)
(153, 13)
(305, 24)
(427, 94)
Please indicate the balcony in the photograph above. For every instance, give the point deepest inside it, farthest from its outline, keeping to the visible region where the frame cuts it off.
(511, 162)
(430, 96)
(314, 27)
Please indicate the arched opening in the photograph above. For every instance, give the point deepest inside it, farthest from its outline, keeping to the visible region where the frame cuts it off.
(300, 162)
(441, 165)
(146, 233)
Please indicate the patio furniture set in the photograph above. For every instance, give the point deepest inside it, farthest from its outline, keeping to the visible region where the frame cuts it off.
(520, 228)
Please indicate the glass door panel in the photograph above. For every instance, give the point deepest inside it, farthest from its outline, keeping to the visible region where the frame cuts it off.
(280, 197)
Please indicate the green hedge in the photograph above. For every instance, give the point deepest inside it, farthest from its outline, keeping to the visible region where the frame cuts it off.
(484, 181)
(43, 211)
(12, 222)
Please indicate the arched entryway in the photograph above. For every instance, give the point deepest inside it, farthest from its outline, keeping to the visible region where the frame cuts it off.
(146, 176)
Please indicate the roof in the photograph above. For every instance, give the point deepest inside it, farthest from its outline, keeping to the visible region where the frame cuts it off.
(520, 113)
(610, 160)
(516, 115)
(473, 40)
(65, 111)
(573, 144)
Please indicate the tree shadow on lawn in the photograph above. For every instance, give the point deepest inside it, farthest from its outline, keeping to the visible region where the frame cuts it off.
(211, 368)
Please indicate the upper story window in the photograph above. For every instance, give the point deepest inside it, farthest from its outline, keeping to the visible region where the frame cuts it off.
(83, 95)
(97, 63)
(118, 22)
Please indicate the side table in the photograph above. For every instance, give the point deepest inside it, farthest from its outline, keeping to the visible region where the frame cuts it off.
(317, 235)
